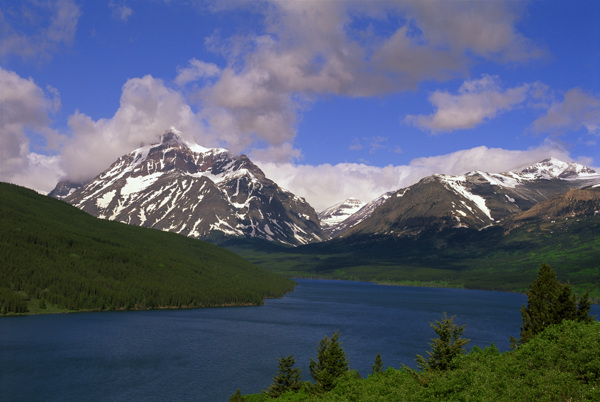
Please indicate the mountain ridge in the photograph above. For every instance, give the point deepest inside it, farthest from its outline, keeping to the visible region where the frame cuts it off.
(195, 191)
(474, 200)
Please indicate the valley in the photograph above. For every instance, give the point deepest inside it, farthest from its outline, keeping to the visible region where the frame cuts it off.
(477, 231)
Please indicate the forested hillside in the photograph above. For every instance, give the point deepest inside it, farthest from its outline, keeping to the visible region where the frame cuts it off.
(473, 259)
(56, 258)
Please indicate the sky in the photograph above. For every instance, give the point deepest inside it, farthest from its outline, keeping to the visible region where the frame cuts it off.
(331, 99)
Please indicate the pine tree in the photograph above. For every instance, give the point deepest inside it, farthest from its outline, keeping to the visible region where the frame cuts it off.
(331, 363)
(237, 397)
(583, 308)
(445, 348)
(287, 378)
(550, 302)
(377, 367)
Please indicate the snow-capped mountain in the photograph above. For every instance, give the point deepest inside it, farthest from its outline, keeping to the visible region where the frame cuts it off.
(336, 214)
(337, 219)
(181, 187)
(474, 200)
(553, 168)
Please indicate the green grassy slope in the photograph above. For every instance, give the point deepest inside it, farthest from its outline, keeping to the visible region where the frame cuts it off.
(487, 259)
(54, 257)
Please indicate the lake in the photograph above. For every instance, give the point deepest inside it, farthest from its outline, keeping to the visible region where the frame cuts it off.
(206, 354)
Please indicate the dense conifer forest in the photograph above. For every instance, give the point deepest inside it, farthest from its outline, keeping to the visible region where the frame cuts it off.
(56, 258)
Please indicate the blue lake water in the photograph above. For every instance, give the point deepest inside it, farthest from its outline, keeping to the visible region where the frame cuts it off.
(206, 354)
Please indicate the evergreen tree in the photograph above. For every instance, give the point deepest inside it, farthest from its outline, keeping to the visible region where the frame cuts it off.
(287, 378)
(331, 363)
(550, 302)
(446, 347)
(237, 397)
(377, 367)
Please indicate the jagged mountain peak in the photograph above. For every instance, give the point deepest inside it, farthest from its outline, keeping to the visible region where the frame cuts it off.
(179, 186)
(172, 136)
(553, 168)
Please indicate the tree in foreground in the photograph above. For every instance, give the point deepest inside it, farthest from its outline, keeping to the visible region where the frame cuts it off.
(287, 378)
(331, 363)
(377, 367)
(445, 348)
(550, 302)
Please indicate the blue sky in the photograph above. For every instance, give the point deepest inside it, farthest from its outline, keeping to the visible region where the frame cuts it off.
(332, 99)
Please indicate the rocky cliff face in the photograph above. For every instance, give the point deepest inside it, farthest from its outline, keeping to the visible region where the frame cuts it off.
(181, 187)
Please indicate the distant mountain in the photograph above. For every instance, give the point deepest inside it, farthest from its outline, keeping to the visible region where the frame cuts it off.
(333, 216)
(337, 219)
(474, 200)
(184, 188)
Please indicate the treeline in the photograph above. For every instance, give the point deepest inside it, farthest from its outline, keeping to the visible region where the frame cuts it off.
(468, 258)
(53, 255)
(556, 357)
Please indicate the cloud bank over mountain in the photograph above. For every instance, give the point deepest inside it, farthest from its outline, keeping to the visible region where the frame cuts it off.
(249, 88)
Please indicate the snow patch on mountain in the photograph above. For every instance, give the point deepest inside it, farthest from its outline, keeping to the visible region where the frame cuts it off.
(139, 183)
(105, 200)
(457, 184)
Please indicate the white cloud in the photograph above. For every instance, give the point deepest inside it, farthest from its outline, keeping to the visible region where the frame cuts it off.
(25, 109)
(476, 101)
(577, 110)
(486, 28)
(24, 35)
(319, 48)
(198, 69)
(325, 185)
(372, 143)
(147, 109)
(120, 11)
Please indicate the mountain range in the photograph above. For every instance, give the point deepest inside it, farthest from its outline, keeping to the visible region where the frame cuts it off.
(208, 193)
(474, 200)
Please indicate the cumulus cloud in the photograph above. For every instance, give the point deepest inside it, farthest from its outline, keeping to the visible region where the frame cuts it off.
(325, 185)
(49, 34)
(576, 111)
(311, 49)
(147, 108)
(198, 69)
(25, 109)
(486, 28)
(476, 101)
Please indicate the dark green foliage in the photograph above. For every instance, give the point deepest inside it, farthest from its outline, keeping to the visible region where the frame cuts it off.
(331, 363)
(11, 302)
(377, 367)
(446, 347)
(55, 256)
(473, 259)
(237, 397)
(287, 378)
(550, 302)
(562, 363)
